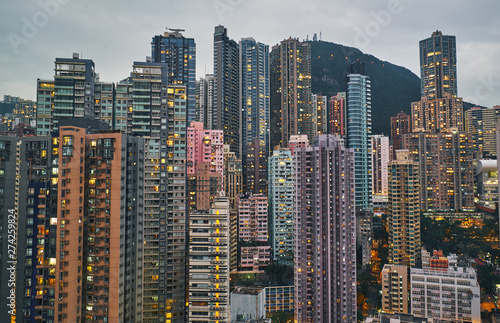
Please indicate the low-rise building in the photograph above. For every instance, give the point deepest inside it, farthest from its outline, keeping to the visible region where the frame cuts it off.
(449, 294)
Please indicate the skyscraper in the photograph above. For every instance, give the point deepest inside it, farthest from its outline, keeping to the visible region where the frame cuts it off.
(337, 119)
(73, 89)
(281, 204)
(359, 130)
(437, 114)
(481, 124)
(325, 235)
(439, 108)
(44, 108)
(208, 271)
(255, 114)
(400, 124)
(445, 169)
(158, 114)
(205, 166)
(28, 212)
(179, 53)
(227, 113)
(291, 107)
(380, 158)
(404, 211)
(320, 103)
(99, 248)
(438, 66)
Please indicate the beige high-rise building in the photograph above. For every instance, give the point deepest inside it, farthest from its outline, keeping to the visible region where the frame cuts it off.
(445, 168)
(437, 114)
(208, 287)
(404, 211)
(394, 289)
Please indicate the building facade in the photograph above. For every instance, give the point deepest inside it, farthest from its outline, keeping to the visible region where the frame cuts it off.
(400, 124)
(320, 106)
(253, 240)
(438, 66)
(208, 287)
(227, 113)
(255, 114)
(359, 130)
(337, 118)
(394, 289)
(445, 163)
(481, 123)
(449, 294)
(282, 204)
(204, 165)
(179, 53)
(325, 232)
(437, 114)
(381, 155)
(73, 89)
(404, 211)
(44, 106)
(99, 274)
(291, 107)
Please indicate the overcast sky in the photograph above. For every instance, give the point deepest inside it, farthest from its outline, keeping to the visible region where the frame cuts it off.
(114, 33)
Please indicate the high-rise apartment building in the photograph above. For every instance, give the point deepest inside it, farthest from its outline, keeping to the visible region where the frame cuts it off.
(404, 211)
(438, 66)
(148, 84)
(205, 166)
(437, 114)
(381, 152)
(439, 109)
(205, 100)
(98, 275)
(28, 217)
(253, 239)
(400, 124)
(233, 185)
(255, 114)
(208, 271)
(359, 130)
(445, 167)
(446, 294)
(394, 289)
(233, 177)
(291, 107)
(123, 103)
(158, 113)
(337, 118)
(325, 235)
(282, 204)
(73, 89)
(104, 102)
(252, 215)
(227, 113)
(320, 105)
(481, 124)
(44, 106)
(179, 53)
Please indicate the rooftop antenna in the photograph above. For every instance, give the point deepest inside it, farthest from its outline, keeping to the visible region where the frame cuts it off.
(320, 35)
(175, 30)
